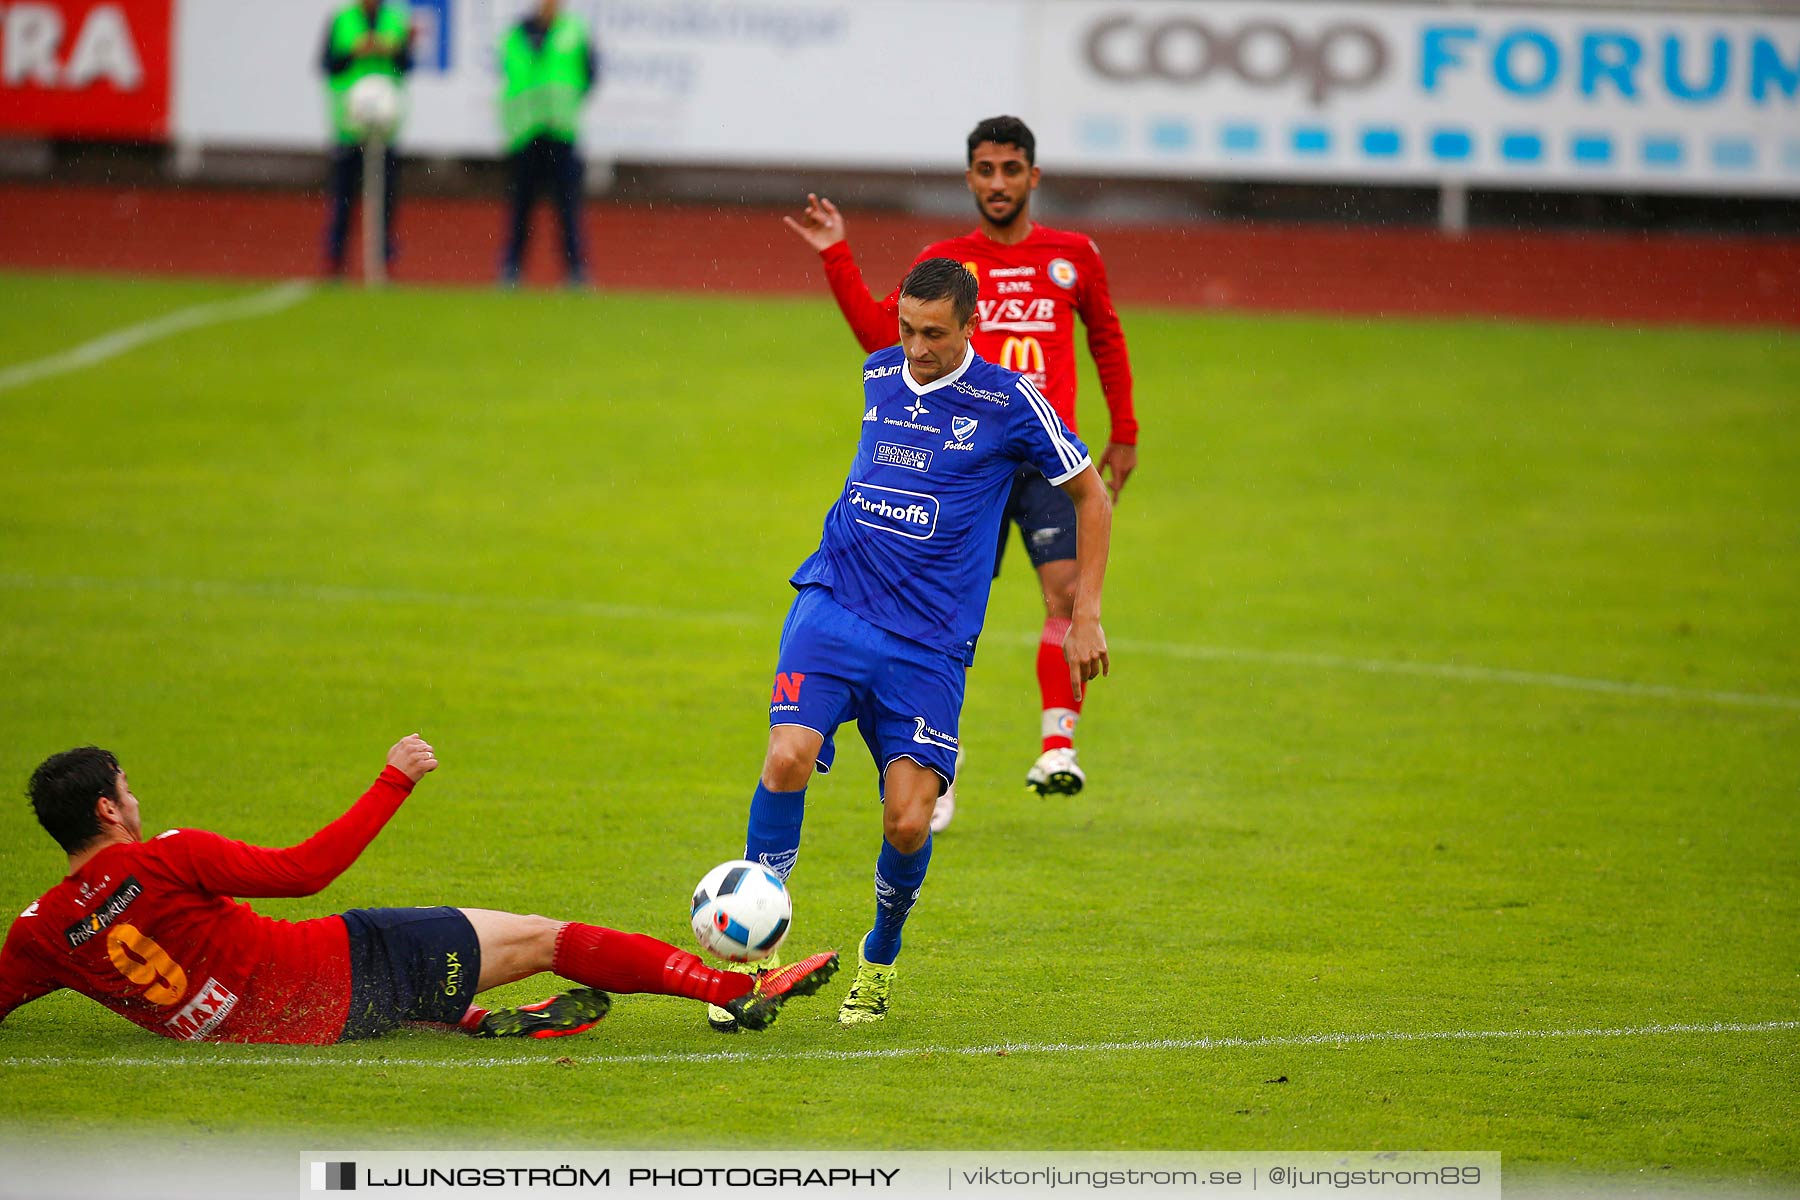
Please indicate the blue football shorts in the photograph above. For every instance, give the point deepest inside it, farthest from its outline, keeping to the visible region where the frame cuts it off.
(1045, 516)
(906, 698)
(409, 964)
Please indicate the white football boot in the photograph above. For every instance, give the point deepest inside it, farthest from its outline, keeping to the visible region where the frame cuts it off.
(1056, 773)
(945, 809)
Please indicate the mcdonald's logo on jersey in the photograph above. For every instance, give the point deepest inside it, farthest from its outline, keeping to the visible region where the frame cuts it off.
(1022, 354)
(974, 270)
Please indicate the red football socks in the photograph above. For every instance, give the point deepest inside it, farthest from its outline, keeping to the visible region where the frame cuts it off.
(635, 962)
(1061, 708)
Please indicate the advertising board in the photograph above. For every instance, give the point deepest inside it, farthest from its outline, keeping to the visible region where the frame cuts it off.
(1595, 100)
(85, 68)
(1421, 94)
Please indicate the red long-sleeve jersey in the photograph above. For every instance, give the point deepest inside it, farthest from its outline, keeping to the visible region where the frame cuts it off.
(150, 930)
(1029, 297)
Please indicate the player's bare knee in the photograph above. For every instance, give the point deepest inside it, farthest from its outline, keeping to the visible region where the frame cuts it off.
(788, 766)
(786, 772)
(906, 828)
(908, 837)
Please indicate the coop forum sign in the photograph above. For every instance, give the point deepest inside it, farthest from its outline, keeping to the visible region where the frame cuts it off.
(1508, 97)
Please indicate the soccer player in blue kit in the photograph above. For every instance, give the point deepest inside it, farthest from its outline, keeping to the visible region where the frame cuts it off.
(891, 604)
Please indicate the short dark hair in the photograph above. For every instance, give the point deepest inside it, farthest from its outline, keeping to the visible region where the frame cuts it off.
(1004, 131)
(943, 279)
(64, 788)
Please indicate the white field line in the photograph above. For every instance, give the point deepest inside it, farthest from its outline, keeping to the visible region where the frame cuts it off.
(1472, 674)
(120, 341)
(328, 594)
(223, 1056)
(1126, 646)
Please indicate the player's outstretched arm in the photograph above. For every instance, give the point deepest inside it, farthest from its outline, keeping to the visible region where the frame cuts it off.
(235, 869)
(1085, 646)
(821, 226)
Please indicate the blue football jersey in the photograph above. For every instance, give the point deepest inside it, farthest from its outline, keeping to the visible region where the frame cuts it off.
(909, 544)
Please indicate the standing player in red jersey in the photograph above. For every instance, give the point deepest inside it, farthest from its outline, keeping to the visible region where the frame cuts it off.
(1034, 281)
(149, 929)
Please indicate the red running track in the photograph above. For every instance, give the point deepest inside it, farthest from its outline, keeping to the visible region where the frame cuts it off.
(1617, 277)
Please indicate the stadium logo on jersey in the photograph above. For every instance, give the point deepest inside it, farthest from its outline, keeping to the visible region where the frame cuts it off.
(1062, 272)
(880, 372)
(912, 515)
(894, 455)
(870, 415)
(98, 921)
(925, 735)
(204, 1013)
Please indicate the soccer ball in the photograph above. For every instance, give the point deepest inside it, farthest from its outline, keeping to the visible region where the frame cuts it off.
(741, 911)
(373, 104)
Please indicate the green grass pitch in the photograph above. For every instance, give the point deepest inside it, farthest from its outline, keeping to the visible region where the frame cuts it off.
(1456, 690)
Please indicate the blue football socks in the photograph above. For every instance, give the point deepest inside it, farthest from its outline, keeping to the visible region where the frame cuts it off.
(898, 878)
(773, 837)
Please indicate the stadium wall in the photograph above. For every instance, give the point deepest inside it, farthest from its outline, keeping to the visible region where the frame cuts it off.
(714, 110)
(1583, 98)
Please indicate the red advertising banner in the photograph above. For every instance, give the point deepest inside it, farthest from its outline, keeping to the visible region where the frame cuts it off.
(85, 68)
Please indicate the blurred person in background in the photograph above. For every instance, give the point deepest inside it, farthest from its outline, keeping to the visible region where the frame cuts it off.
(549, 67)
(364, 38)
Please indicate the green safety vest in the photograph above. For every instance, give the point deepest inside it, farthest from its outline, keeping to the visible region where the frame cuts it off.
(543, 88)
(347, 29)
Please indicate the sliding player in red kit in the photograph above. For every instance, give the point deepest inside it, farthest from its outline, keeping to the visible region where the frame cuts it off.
(150, 930)
(1034, 281)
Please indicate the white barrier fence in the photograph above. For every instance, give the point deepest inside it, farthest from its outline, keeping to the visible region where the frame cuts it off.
(1594, 99)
